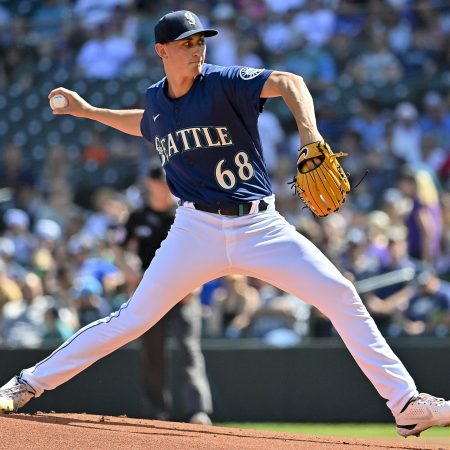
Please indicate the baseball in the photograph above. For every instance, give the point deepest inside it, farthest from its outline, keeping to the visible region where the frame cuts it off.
(58, 101)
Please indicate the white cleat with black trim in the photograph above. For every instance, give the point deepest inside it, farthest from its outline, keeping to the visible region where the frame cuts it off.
(422, 412)
(15, 394)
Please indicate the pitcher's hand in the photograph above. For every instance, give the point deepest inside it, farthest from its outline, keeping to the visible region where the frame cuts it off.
(77, 106)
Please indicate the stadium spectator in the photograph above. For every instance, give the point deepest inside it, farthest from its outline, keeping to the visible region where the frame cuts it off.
(406, 134)
(11, 267)
(368, 123)
(377, 226)
(232, 307)
(316, 64)
(280, 8)
(104, 55)
(96, 151)
(323, 18)
(93, 13)
(59, 285)
(24, 319)
(272, 136)
(443, 261)
(55, 330)
(417, 61)
(89, 265)
(281, 320)
(395, 205)
(9, 290)
(398, 270)
(330, 121)
(356, 260)
(48, 231)
(424, 220)
(17, 229)
(47, 18)
(433, 156)
(436, 118)
(110, 211)
(88, 300)
(378, 65)
(247, 52)
(349, 19)
(427, 307)
(334, 236)
(56, 166)
(225, 50)
(60, 207)
(14, 168)
(5, 16)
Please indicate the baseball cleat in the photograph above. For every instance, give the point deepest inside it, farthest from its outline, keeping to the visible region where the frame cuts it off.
(200, 418)
(422, 412)
(14, 395)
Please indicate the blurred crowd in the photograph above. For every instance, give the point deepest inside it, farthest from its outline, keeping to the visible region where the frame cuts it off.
(379, 72)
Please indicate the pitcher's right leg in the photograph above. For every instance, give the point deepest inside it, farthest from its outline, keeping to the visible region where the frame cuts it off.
(191, 255)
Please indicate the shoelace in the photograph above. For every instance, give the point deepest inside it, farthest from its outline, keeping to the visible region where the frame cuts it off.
(427, 398)
(17, 389)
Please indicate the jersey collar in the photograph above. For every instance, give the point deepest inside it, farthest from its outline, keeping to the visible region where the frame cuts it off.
(165, 87)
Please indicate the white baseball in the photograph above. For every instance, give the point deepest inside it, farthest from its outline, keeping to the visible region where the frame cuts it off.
(58, 101)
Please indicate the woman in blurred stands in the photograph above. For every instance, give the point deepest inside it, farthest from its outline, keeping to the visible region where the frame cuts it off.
(424, 221)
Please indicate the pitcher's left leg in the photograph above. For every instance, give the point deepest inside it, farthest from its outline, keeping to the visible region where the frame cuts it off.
(286, 259)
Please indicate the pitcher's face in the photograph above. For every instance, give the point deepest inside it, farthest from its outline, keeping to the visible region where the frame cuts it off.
(184, 57)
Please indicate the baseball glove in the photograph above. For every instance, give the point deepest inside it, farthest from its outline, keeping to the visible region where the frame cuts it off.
(320, 180)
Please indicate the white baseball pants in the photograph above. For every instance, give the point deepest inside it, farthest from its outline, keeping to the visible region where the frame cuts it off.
(203, 246)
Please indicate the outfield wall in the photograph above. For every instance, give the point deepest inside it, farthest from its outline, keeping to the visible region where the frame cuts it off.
(316, 382)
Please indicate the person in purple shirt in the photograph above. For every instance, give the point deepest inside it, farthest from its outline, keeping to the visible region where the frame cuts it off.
(424, 220)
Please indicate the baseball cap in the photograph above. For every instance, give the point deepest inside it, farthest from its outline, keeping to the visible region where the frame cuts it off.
(7, 247)
(16, 218)
(406, 111)
(178, 25)
(432, 99)
(426, 275)
(48, 229)
(86, 285)
(80, 243)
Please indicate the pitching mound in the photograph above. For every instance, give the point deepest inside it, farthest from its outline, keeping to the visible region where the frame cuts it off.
(51, 431)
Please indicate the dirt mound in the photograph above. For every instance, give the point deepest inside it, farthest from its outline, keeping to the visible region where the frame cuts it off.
(51, 431)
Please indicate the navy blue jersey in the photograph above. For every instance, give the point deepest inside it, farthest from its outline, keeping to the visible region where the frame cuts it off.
(208, 139)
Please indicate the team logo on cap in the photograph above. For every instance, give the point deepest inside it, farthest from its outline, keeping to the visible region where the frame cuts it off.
(189, 17)
(247, 73)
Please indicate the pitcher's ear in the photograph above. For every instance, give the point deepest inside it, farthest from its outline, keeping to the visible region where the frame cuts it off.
(161, 50)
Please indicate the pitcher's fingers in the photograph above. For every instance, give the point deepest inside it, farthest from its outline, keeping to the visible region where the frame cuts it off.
(59, 90)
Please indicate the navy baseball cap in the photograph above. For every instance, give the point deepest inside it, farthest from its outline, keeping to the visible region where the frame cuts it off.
(178, 25)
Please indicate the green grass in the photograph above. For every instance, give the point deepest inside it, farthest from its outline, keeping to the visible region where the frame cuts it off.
(355, 430)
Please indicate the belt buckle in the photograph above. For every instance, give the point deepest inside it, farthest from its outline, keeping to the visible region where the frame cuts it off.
(224, 215)
(240, 212)
(219, 211)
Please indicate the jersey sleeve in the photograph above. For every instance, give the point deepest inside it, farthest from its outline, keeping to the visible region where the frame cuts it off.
(243, 86)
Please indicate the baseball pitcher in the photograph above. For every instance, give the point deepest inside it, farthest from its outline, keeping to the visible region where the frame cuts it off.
(202, 119)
